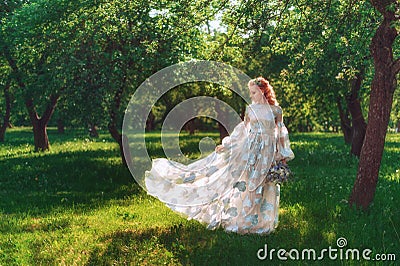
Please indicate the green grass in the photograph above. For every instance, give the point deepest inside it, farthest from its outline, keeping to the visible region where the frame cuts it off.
(77, 205)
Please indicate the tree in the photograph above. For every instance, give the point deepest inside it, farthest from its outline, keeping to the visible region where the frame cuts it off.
(36, 47)
(381, 98)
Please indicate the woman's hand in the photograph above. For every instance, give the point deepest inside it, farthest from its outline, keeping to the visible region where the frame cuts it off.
(219, 148)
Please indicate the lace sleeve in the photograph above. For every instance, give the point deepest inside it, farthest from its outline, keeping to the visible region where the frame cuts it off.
(283, 143)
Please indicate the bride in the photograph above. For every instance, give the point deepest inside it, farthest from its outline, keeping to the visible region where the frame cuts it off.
(228, 188)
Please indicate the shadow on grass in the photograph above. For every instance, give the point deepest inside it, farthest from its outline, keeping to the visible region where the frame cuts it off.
(23, 136)
(176, 245)
(192, 244)
(86, 179)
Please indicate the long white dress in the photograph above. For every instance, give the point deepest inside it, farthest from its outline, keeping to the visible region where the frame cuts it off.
(228, 189)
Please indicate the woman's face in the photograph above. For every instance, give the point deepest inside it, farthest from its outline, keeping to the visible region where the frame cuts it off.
(256, 94)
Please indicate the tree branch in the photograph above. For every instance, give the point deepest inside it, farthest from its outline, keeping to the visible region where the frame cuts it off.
(31, 110)
(13, 64)
(235, 27)
(50, 108)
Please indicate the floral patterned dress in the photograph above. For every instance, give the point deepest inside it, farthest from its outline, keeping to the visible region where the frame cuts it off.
(228, 189)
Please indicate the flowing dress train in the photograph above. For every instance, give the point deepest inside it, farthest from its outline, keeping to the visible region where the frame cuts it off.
(228, 189)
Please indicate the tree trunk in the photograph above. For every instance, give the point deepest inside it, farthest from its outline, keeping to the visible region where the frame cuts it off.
(190, 126)
(6, 118)
(345, 123)
(223, 132)
(60, 126)
(381, 97)
(40, 137)
(150, 122)
(112, 128)
(112, 125)
(122, 141)
(39, 124)
(398, 127)
(93, 131)
(358, 122)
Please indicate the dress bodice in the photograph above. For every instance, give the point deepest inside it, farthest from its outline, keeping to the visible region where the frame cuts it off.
(261, 117)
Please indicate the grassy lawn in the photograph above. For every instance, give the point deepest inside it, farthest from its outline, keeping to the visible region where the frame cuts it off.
(77, 205)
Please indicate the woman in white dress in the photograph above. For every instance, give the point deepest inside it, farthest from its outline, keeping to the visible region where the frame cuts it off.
(229, 188)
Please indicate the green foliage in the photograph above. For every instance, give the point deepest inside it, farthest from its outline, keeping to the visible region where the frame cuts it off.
(311, 51)
(90, 50)
(77, 204)
(93, 52)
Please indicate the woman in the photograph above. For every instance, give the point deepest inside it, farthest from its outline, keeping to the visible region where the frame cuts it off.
(228, 188)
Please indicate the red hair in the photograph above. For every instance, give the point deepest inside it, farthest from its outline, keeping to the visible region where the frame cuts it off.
(266, 89)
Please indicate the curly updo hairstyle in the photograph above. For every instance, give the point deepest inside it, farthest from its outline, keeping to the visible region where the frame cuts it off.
(266, 89)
